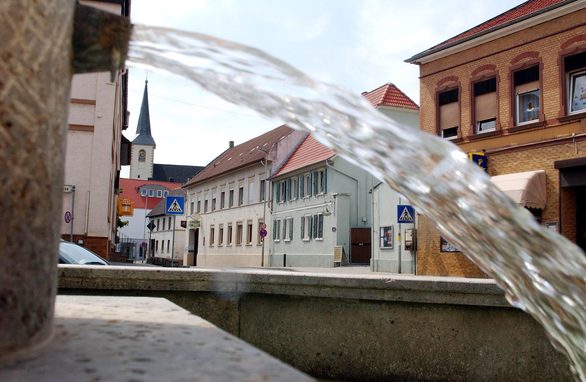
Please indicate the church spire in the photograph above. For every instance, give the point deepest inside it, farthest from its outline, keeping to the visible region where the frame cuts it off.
(143, 129)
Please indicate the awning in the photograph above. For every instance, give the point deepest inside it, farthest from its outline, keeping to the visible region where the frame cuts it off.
(525, 188)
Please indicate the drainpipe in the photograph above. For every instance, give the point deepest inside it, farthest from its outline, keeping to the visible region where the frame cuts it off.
(35, 80)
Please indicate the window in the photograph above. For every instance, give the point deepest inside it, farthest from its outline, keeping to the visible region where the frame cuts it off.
(156, 246)
(307, 185)
(321, 181)
(318, 227)
(205, 206)
(159, 193)
(445, 246)
(198, 206)
(221, 235)
(212, 234)
(229, 238)
(163, 228)
(527, 95)
(222, 200)
(231, 199)
(191, 205)
(169, 222)
(151, 193)
(485, 105)
(250, 192)
(158, 224)
(276, 230)
(249, 232)
(449, 113)
(294, 189)
(165, 193)
(287, 229)
(240, 196)
(162, 246)
(239, 229)
(168, 245)
(141, 155)
(213, 204)
(263, 191)
(301, 186)
(575, 67)
(143, 192)
(306, 228)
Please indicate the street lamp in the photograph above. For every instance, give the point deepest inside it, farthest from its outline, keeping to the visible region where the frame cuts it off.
(264, 207)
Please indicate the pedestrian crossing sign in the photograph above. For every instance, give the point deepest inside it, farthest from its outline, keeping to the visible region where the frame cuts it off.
(405, 213)
(175, 205)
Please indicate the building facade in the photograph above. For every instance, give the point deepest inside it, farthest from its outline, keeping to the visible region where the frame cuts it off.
(229, 201)
(95, 151)
(167, 236)
(513, 90)
(321, 210)
(393, 244)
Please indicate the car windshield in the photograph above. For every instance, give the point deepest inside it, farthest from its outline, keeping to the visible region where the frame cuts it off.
(74, 254)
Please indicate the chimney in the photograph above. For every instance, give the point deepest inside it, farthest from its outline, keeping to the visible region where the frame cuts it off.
(231, 144)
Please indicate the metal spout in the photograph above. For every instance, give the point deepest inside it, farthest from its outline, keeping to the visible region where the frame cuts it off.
(100, 41)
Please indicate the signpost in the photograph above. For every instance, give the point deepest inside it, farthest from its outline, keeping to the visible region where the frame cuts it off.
(175, 205)
(405, 214)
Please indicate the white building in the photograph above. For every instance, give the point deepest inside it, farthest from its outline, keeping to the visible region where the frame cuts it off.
(168, 235)
(227, 201)
(95, 152)
(393, 244)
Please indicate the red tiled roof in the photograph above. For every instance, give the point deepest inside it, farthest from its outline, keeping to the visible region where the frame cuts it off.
(308, 153)
(516, 14)
(390, 95)
(241, 155)
(130, 188)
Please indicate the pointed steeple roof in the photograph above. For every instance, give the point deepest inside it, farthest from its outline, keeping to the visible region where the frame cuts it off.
(143, 129)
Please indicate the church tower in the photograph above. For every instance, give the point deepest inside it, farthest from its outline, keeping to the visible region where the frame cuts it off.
(143, 146)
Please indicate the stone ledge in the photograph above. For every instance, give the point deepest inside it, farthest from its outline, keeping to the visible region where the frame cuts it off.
(378, 287)
(142, 339)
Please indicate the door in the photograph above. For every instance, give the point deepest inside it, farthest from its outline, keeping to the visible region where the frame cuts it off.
(195, 246)
(360, 248)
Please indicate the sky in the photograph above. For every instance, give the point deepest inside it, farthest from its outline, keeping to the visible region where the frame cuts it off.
(358, 44)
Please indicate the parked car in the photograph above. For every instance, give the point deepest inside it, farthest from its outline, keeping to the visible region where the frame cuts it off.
(70, 253)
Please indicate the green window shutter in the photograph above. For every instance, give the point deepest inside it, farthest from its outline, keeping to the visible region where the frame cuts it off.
(315, 180)
(325, 185)
(301, 186)
(291, 228)
(289, 189)
(310, 227)
(320, 226)
(278, 192)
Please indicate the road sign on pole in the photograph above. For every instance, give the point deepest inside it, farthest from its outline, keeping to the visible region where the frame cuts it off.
(175, 205)
(405, 214)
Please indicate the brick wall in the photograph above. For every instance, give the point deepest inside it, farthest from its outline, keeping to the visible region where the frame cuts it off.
(509, 150)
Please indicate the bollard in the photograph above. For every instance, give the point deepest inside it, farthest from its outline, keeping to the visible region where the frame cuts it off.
(35, 76)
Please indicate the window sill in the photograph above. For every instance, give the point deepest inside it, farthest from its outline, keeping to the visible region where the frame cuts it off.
(306, 240)
(573, 117)
(249, 244)
(319, 239)
(528, 126)
(454, 141)
(287, 241)
(488, 134)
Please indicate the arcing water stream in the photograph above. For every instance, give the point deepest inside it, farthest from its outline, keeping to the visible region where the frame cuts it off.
(541, 272)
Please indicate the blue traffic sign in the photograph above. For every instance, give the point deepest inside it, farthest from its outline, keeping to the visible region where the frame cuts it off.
(175, 205)
(405, 213)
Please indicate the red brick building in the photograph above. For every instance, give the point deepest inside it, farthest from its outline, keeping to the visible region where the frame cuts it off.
(514, 89)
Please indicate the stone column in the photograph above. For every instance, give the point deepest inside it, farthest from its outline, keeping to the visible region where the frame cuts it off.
(35, 76)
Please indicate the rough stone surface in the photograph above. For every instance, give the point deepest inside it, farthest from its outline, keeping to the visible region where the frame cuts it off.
(373, 327)
(35, 73)
(143, 339)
